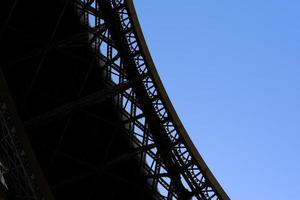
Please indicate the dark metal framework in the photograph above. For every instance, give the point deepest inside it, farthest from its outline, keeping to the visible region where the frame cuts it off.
(18, 164)
(174, 167)
(14, 157)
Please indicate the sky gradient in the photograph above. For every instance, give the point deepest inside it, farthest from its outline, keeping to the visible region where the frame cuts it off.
(231, 69)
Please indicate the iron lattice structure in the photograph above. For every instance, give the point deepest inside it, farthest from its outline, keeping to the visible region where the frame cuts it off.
(173, 167)
(18, 164)
(172, 162)
(13, 156)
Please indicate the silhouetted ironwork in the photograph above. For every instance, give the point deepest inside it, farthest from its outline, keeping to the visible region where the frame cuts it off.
(18, 165)
(173, 167)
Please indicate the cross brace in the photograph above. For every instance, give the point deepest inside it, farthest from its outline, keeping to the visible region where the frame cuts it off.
(77, 105)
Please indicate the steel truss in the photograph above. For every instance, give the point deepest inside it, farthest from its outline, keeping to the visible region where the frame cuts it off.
(12, 157)
(19, 168)
(174, 168)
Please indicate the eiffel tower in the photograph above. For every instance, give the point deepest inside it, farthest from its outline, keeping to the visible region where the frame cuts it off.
(83, 112)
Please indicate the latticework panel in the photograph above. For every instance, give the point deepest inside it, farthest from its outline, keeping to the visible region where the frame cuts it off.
(19, 172)
(174, 168)
(14, 161)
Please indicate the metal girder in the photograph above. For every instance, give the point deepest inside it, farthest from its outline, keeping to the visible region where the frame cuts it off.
(155, 127)
(145, 107)
(174, 168)
(22, 174)
(74, 106)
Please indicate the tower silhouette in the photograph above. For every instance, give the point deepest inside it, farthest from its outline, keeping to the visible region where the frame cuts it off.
(83, 112)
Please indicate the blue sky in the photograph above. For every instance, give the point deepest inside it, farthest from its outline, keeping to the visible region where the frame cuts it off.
(231, 69)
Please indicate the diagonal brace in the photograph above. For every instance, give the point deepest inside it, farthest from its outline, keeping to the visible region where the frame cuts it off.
(77, 105)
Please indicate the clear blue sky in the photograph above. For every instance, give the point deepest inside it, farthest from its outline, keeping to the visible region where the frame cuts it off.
(231, 69)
